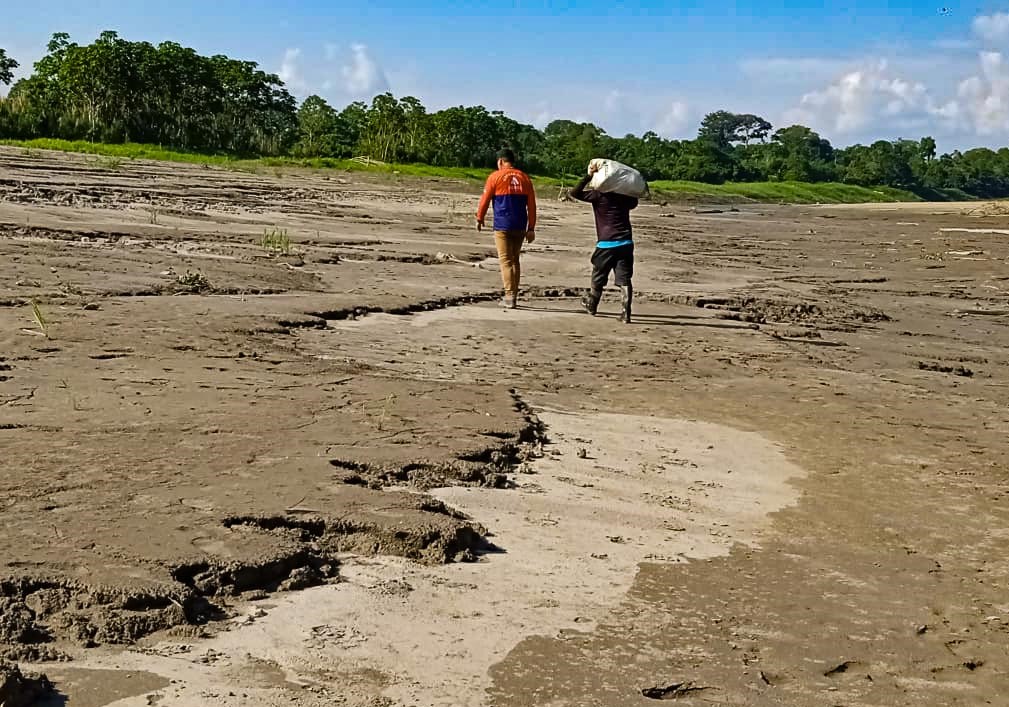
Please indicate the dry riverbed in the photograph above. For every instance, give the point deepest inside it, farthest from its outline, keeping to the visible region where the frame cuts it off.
(340, 475)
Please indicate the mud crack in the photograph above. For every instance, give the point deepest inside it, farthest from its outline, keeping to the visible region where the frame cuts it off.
(412, 308)
(488, 466)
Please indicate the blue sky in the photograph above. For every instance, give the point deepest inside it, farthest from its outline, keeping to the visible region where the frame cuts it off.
(855, 71)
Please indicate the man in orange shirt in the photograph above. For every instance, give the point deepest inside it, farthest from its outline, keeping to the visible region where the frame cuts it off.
(514, 199)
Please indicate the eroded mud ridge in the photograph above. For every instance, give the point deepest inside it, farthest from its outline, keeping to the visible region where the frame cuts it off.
(39, 613)
(822, 313)
(492, 465)
(20, 690)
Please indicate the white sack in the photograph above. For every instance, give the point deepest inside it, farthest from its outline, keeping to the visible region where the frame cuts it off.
(615, 177)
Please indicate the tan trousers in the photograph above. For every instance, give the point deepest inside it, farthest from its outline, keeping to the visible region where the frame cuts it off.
(509, 249)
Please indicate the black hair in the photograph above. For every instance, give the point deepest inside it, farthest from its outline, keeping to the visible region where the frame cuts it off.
(507, 155)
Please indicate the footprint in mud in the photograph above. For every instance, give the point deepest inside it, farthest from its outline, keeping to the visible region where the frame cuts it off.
(199, 504)
(329, 636)
(264, 673)
(211, 657)
(392, 588)
(674, 502)
(210, 546)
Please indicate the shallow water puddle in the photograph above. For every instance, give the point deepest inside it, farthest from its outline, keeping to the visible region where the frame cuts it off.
(99, 688)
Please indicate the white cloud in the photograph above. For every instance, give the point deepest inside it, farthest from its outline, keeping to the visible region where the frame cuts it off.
(675, 122)
(359, 77)
(984, 98)
(291, 72)
(636, 112)
(869, 97)
(791, 69)
(539, 115)
(962, 101)
(954, 44)
(992, 28)
(613, 101)
(363, 77)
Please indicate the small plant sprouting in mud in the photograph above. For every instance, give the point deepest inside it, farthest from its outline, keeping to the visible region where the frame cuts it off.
(450, 211)
(40, 319)
(276, 241)
(385, 411)
(110, 163)
(193, 282)
(74, 402)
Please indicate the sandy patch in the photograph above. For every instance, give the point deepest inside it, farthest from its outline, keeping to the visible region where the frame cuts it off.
(613, 491)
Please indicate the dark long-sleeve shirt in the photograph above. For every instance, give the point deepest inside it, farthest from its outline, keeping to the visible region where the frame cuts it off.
(612, 212)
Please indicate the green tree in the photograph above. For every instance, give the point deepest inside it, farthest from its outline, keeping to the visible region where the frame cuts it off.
(649, 154)
(723, 128)
(415, 126)
(569, 146)
(317, 128)
(750, 128)
(718, 128)
(7, 66)
(703, 161)
(527, 142)
(979, 172)
(352, 123)
(383, 136)
(115, 90)
(461, 136)
(800, 154)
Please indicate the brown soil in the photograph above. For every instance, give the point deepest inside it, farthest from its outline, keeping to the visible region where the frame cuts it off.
(20, 690)
(199, 423)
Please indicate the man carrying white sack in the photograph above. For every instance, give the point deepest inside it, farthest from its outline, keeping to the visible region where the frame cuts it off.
(614, 242)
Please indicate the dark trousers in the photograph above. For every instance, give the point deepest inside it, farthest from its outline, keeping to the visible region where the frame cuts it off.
(619, 261)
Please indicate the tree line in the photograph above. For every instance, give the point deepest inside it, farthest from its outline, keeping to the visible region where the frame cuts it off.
(114, 90)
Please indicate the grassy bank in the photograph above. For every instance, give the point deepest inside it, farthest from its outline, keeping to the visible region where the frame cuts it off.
(773, 192)
(786, 192)
(128, 150)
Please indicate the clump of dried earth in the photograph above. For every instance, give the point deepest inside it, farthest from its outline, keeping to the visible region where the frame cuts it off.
(340, 475)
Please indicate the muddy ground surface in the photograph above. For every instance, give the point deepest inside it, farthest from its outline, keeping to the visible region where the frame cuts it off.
(340, 475)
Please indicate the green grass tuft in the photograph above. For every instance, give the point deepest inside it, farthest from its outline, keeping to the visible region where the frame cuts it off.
(276, 241)
(40, 319)
(194, 282)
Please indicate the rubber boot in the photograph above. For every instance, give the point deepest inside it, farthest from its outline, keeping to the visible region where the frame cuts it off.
(590, 302)
(510, 300)
(626, 295)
